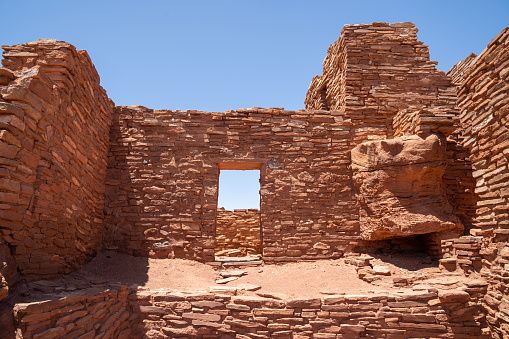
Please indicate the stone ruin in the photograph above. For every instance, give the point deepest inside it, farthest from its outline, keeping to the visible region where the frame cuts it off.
(389, 151)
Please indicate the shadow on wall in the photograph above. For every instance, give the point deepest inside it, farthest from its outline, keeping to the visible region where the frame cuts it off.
(146, 212)
(460, 183)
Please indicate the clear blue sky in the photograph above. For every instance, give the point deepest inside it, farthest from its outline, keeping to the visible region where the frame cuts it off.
(219, 55)
(239, 189)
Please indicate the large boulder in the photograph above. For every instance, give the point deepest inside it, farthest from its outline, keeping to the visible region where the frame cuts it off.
(399, 187)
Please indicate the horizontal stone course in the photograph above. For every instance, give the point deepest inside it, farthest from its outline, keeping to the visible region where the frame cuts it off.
(265, 317)
(54, 136)
(175, 203)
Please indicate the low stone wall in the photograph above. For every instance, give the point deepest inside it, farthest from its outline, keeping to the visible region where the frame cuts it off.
(462, 253)
(91, 313)
(415, 314)
(166, 314)
(238, 233)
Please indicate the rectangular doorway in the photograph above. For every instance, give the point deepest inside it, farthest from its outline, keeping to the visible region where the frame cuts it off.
(238, 233)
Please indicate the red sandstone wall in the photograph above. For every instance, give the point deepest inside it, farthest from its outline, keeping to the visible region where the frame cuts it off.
(372, 72)
(125, 313)
(423, 314)
(92, 313)
(238, 233)
(484, 103)
(163, 177)
(375, 70)
(54, 135)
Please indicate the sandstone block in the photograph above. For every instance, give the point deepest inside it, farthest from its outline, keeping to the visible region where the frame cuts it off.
(399, 187)
(201, 316)
(453, 295)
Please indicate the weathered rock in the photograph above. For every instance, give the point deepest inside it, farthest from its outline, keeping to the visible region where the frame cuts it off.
(402, 151)
(248, 287)
(399, 187)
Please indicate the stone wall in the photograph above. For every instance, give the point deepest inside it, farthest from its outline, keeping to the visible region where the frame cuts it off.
(54, 136)
(163, 175)
(91, 313)
(238, 233)
(462, 253)
(448, 313)
(484, 103)
(125, 313)
(380, 76)
(375, 70)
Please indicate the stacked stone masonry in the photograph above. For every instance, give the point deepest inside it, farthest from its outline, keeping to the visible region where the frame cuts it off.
(375, 70)
(131, 313)
(484, 104)
(90, 313)
(79, 174)
(164, 171)
(238, 233)
(54, 137)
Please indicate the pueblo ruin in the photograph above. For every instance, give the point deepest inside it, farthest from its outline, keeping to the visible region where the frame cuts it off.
(392, 161)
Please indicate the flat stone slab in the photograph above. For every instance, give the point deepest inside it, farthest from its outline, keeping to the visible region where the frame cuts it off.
(236, 273)
(226, 280)
(248, 287)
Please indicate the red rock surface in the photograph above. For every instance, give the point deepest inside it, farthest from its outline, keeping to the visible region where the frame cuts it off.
(399, 187)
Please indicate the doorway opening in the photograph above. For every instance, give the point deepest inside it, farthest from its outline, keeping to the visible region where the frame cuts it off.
(238, 235)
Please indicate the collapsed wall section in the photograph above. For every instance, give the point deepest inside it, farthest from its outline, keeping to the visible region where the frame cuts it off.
(163, 174)
(54, 136)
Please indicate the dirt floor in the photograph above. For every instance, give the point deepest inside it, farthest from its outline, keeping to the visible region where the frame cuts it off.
(304, 279)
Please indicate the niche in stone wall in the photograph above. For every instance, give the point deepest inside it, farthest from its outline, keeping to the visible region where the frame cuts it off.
(238, 228)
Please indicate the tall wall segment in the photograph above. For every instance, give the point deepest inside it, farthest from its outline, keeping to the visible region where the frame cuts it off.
(54, 137)
(483, 99)
(375, 70)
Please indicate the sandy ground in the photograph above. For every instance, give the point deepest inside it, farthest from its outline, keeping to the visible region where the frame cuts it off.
(300, 279)
(305, 279)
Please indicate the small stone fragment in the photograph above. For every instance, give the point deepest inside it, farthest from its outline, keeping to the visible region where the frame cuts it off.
(226, 280)
(237, 273)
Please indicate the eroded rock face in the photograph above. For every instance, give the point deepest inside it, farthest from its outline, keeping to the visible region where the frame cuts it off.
(399, 187)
